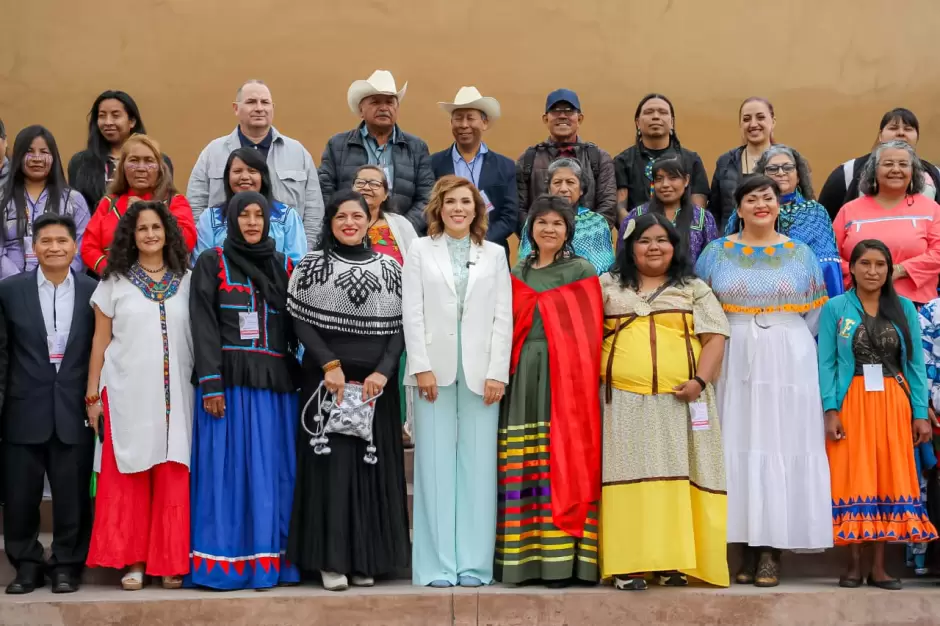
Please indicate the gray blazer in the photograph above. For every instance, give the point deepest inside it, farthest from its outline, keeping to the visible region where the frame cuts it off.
(293, 179)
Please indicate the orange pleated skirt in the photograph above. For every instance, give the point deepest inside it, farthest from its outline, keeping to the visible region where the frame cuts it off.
(875, 488)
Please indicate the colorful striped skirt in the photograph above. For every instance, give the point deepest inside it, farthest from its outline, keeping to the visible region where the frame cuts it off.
(528, 544)
(875, 489)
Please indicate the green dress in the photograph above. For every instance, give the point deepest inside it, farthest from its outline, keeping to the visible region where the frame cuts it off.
(528, 544)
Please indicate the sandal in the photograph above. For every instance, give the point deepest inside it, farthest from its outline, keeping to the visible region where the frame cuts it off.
(132, 581)
(172, 582)
(768, 570)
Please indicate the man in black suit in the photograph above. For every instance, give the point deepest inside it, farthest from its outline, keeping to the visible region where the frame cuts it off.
(493, 174)
(45, 343)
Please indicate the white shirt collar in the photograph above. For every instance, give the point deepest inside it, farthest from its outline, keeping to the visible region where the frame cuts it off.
(41, 278)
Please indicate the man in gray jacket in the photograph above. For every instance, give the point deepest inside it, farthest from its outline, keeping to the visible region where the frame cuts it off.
(293, 172)
(379, 141)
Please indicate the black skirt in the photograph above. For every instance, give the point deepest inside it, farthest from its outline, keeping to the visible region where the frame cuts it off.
(351, 517)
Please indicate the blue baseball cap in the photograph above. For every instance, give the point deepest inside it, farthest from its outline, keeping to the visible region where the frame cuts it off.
(562, 95)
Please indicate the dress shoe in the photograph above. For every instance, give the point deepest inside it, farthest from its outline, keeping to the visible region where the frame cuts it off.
(64, 582)
(26, 581)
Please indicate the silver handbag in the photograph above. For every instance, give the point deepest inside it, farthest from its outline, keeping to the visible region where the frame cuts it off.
(352, 417)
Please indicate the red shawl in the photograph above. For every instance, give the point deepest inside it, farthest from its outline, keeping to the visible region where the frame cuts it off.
(573, 316)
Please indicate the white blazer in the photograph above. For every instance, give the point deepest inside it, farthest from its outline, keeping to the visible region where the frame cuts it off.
(429, 314)
(402, 230)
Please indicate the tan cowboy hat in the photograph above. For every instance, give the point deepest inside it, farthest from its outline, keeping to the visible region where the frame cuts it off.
(471, 98)
(381, 82)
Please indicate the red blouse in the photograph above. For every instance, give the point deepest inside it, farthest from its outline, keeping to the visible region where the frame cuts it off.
(383, 241)
(100, 230)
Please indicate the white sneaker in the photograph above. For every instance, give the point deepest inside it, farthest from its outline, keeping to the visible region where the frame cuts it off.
(362, 581)
(333, 581)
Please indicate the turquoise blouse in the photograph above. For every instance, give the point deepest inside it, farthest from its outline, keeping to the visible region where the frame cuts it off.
(838, 323)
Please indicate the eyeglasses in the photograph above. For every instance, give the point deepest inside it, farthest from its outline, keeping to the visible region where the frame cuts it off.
(359, 183)
(567, 112)
(786, 168)
(142, 166)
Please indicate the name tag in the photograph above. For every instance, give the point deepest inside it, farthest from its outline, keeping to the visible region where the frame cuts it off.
(28, 251)
(56, 344)
(699, 413)
(486, 201)
(248, 325)
(874, 377)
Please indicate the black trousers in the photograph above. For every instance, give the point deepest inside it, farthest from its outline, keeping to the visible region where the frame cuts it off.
(69, 468)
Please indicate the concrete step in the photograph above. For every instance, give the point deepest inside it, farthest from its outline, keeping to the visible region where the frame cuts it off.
(806, 603)
(794, 567)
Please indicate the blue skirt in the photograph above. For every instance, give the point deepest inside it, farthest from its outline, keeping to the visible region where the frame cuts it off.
(242, 486)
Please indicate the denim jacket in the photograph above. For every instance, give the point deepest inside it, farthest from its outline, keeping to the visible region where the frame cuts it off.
(838, 323)
(287, 231)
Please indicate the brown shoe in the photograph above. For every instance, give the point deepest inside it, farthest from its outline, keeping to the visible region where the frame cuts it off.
(768, 570)
(745, 575)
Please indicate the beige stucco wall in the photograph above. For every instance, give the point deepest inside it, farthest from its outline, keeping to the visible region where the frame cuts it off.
(831, 67)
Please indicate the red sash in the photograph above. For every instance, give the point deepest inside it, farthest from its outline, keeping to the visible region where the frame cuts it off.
(573, 316)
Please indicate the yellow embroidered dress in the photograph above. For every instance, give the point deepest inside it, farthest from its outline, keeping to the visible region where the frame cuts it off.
(663, 503)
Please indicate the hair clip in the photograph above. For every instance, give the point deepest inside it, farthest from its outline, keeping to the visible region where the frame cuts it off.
(631, 226)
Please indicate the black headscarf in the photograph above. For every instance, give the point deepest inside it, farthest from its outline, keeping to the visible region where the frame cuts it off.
(259, 261)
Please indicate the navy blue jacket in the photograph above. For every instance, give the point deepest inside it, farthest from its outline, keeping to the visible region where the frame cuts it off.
(498, 181)
(39, 402)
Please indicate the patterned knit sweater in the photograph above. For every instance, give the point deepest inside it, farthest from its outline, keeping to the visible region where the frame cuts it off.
(344, 291)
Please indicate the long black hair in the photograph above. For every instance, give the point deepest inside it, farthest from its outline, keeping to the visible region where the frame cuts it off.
(673, 136)
(543, 205)
(14, 192)
(124, 252)
(674, 167)
(625, 267)
(97, 143)
(326, 242)
(253, 159)
(889, 303)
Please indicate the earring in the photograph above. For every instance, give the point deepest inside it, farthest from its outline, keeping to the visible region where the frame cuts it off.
(875, 187)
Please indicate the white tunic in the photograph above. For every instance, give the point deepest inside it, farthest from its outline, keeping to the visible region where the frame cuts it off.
(148, 381)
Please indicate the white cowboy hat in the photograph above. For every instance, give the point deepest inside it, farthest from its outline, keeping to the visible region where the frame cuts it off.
(471, 98)
(381, 82)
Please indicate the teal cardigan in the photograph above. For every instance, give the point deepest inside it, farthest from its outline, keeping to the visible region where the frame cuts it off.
(838, 323)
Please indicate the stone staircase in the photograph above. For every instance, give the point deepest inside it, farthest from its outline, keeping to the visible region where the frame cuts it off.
(808, 595)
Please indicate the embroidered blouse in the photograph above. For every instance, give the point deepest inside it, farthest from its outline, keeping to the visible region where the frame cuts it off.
(147, 369)
(459, 250)
(383, 241)
(221, 297)
(785, 277)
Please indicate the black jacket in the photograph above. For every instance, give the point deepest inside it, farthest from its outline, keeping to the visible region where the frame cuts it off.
(498, 182)
(725, 180)
(630, 169)
(87, 175)
(532, 178)
(411, 161)
(38, 401)
(837, 191)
